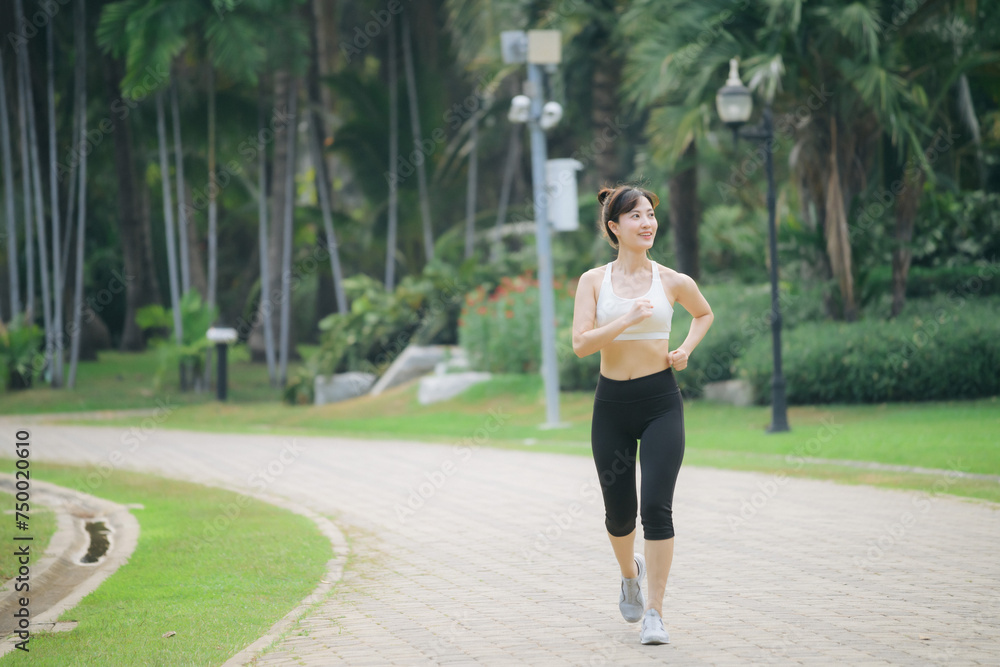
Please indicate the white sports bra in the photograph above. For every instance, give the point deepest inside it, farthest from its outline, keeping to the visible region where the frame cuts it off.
(610, 307)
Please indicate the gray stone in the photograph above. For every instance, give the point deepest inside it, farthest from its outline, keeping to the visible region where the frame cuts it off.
(416, 360)
(434, 388)
(341, 387)
(736, 392)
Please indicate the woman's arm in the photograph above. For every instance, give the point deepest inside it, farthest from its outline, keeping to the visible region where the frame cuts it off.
(587, 339)
(689, 296)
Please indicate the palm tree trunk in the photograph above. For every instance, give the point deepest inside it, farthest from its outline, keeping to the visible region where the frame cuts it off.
(22, 126)
(411, 88)
(80, 38)
(265, 277)
(390, 251)
(182, 222)
(168, 220)
(838, 245)
(323, 183)
(605, 83)
(8, 200)
(906, 212)
(42, 236)
(470, 195)
(213, 208)
(57, 308)
(71, 197)
(287, 236)
(141, 285)
(684, 214)
(513, 157)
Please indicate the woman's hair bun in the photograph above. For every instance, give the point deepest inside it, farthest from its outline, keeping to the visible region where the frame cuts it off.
(603, 195)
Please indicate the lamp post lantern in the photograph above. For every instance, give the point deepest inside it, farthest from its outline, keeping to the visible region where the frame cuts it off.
(735, 104)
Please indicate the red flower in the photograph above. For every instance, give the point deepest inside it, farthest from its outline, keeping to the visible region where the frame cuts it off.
(509, 314)
(482, 310)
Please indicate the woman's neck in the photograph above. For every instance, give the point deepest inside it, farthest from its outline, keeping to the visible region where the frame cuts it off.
(630, 262)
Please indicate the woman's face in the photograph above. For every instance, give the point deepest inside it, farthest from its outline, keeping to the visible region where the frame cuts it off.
(637, 228)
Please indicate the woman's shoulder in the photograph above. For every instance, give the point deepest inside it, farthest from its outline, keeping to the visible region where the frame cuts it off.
(671, 278)
(592, 277)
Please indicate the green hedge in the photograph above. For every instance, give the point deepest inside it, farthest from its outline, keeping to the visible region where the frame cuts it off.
(950, 349)
(742, 318)
(922, 282)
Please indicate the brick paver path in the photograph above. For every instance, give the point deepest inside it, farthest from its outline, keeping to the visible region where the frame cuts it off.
(466, 555)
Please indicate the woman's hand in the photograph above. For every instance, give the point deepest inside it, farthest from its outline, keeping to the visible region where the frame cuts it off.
(640, 310)
(678, 359)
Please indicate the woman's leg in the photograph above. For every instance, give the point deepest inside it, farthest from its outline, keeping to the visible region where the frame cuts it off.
(659, 556)
(614, 455)
(624, 548)
(660, 455)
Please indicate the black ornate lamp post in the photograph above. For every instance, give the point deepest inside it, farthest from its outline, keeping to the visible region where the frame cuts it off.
(734, 104)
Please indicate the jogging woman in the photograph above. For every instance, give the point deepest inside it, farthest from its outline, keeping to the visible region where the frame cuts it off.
(624, 310)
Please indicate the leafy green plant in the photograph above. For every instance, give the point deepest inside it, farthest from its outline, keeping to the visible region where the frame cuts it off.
(19, 343)
(946, 350)
(188, 355)
(500, 327)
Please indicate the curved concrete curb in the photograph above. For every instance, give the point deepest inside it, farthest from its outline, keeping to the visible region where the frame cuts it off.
(334, 571)
(58, 580)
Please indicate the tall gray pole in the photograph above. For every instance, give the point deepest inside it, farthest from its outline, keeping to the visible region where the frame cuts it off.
(550, 369)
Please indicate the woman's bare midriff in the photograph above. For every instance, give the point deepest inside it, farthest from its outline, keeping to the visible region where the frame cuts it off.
(630, 359)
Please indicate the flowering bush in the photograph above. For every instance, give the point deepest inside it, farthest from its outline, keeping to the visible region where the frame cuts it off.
(500, 330)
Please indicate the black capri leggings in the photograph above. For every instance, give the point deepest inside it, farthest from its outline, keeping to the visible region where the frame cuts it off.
(648, 409)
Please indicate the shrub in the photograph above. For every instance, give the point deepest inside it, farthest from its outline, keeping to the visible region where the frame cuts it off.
(742, 318)
(499, 329)
(19, 353)
(947, 351)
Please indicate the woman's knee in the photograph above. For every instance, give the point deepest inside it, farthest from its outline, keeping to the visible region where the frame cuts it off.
(657, 522)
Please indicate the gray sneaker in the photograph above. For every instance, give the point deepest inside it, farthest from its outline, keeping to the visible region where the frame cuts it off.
(630, 600)
(653, 631)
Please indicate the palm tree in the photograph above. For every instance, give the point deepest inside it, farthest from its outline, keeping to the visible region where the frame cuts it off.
(262, 235)
(80, 41)
(182, 208)
(8, 199)
(390, 252)
(411, 89)
(834, 65)
(286, 239)
(168, 220)
(317, 133)
(57, 320)
(26, 193)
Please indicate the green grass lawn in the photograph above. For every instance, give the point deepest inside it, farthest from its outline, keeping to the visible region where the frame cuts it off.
(218, 582)
(128, 380)
(507, 411)
(41, 527)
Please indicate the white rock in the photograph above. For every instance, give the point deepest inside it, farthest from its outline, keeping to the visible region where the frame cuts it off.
(341, 387)
(415, 361)
(434, 388)
(736, 392)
